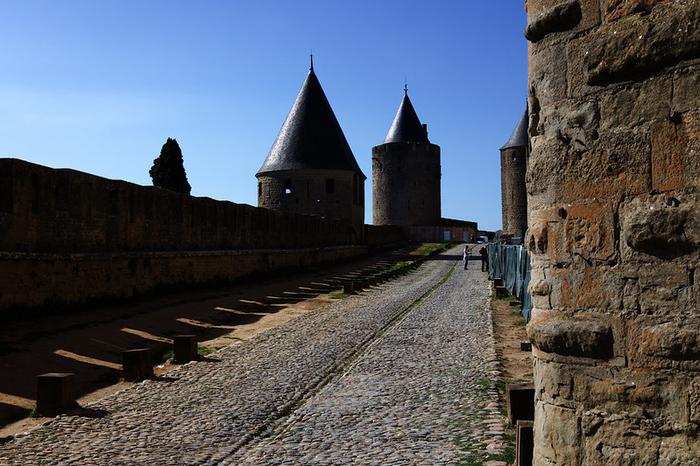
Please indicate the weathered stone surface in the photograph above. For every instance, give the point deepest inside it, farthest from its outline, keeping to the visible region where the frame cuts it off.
(639, 45)
(662, 226)
(669, 341)
(573, 338)
(562, 17)
(557, 435)
(614, 206)
(616, 9)
(669, 143)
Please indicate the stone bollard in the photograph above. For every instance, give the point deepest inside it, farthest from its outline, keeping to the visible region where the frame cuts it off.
(525, 345)
(357, 284)
(348, 288)
(55, 393)
(501, 292)
(520, 401)
(184, 348)
(137, 365)
(365, 283)
(524, 443)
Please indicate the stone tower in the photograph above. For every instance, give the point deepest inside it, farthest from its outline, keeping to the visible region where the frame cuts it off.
(311, 168)
(513, 168)
(406, 173)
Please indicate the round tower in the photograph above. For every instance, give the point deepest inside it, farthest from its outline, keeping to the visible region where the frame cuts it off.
(513, 170)
(310, 168)
(406, 173)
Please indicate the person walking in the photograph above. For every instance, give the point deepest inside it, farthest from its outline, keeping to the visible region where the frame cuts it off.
(484, 259)
(465, 256)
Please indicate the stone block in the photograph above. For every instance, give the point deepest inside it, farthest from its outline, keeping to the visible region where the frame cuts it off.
(616, 9)
(636, 46)
(564, 16)
(662, 226)
(502, 292)
(571, 337)
(557, 436)
(137, 364)
(55, 393)
(669, 144)
(686, 83)
(184, 348)
(520, 402)
(524, 443)
(349, 287)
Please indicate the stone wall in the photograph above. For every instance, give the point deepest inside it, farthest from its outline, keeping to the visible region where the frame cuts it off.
(513, 192)
(333, 194)
(614, 215)
(406, 184)
(56, 280)
(69, 238)
(59, 210)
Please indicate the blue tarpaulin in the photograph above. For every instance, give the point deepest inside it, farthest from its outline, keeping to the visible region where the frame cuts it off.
(512, 265)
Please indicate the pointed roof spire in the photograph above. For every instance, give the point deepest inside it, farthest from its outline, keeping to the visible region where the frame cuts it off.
(406, 126)
(311, 68)
(311, 137)
(519, 136)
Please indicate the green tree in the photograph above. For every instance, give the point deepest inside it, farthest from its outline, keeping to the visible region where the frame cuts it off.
(168, 170)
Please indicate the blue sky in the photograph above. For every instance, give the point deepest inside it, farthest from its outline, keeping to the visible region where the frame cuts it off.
(98, 86)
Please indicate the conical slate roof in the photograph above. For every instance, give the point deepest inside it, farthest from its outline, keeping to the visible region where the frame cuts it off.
(519, 136)
(310, 137)
(406, 126)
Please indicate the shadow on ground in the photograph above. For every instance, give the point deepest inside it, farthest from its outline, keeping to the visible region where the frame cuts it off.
(90, 343)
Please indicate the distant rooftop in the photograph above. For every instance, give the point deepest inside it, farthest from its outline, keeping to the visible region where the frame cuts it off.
(406, 126)
(519, 136)
(311, 137)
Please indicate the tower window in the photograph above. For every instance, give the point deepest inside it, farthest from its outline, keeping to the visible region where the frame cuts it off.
(330, 185)
(288, 186)
(259, 189)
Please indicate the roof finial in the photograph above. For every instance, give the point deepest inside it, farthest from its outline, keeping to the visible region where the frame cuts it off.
(312, 60)
(405, 86)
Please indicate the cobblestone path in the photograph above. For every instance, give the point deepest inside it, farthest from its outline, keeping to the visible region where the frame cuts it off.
(384, 377)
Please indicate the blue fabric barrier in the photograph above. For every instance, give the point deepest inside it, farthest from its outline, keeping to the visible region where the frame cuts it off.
(512, 265)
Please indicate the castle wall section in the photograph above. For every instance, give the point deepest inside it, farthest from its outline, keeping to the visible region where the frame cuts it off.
(406, 184)
(613, 186)
(68, 237)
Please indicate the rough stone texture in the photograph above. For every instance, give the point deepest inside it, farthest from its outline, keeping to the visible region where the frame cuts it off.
(398, 385)
(406, 184)
(613, 180)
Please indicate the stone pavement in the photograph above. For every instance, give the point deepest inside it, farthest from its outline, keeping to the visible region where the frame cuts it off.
(371, 379)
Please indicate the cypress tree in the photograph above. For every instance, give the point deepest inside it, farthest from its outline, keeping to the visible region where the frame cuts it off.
(168, 170)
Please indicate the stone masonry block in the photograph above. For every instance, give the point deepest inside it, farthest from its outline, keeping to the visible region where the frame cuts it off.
(137, 364)
(56, 393)
(569, 337)
(636, 45)
(184, 348)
